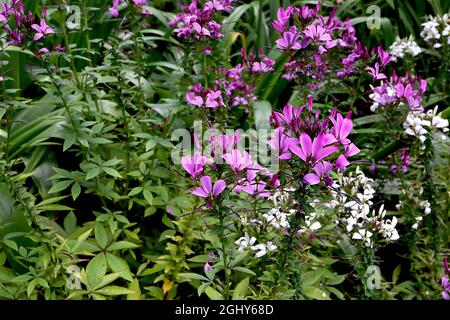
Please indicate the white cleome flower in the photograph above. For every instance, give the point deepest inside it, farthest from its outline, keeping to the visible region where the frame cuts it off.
(364, 235)
(245, 241)
(276, 218)
(262, 248)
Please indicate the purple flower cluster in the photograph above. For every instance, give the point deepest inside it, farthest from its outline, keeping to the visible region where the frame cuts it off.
(313, 140)
(399, 91)
(204, 97)
(197, 22)
(304, 30)
(24, 26)
(114, 10)
(233, 88)
(445, 282)
(405, 162)
(241, 173)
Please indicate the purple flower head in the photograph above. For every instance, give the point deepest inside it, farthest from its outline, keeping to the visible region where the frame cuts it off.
(317, 33)
(305, 14)
(445, 283)
(289, 41)
(322, 172)
(211, 255)
(207, 267)
(15, 36)
(194, 165)
(238, 161)
(204, 98)
(264, 66)
(314, 151)
(59, 48)
(375, 72)
(385, 58)
(41, 30)
(280, 142)
(224, 143)
(342, 128)
(283, 19)
(207, 189)
(253, 188)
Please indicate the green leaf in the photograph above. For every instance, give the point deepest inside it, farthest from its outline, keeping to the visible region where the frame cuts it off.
(315, 293)
(193, 276)
(396, 274)
(70, 222)
(241, 289)
(121, 245)
(31, 286)
(114, 291)
(92, 173)
(213, 294)
(76, 190)
(101, 235)
(148, 196)
(119, 265)
(112, 172)
(60, 186)
(96, 269)
(107, 279)
(134, 286)
(244, 270)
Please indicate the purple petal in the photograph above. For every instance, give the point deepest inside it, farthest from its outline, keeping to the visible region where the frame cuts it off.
(200, 192)
(306, 144)
(325, 152)
(206, 183)
(219, 186)
(311, 178)
(299, 152)
(342, 162)
(346, 128)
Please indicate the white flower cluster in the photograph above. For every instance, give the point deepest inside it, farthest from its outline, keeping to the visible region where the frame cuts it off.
(435, 30)
(419, 124)
(262, 248)
(424, 205)
(356, 202)
(404, 46)
(276, 218)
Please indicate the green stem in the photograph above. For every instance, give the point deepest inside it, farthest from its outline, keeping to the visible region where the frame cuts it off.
(58, 90)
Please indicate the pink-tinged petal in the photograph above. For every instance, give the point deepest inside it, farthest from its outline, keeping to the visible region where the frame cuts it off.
(328, 139)
(351, 150)
(219, 186)
(285, 156)
(317, 145)
(306, 143)
(341, 162)
(311, 178)
(36, 27)
(206, 184)
(37, 36)
(299, 152)
(325, 152)
(186, 162)
(200, 192)
(319, 169)
(445, 295)
(346, 128)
